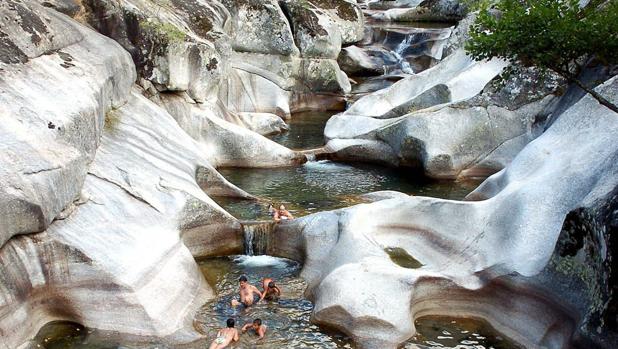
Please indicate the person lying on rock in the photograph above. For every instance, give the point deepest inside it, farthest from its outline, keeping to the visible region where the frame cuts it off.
(225, 336)
(246, 292)
(272, 292)
(257, 327)
(282, 214)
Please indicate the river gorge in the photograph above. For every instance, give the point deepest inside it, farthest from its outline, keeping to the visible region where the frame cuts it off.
(438, 203)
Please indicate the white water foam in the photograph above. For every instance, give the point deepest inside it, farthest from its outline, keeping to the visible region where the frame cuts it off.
(261, 261)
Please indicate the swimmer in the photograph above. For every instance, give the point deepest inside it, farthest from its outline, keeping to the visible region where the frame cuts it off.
(246, 293)
(282, 214)
(256, 326)
(271, 292)
(271, 210)
(225, 336)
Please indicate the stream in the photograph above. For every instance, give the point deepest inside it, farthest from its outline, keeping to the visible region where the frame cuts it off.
(288, 320)
(310, 188)
(324, 185)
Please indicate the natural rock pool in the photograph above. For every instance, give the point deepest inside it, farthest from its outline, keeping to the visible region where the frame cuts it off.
(288, 320)
(324, 185)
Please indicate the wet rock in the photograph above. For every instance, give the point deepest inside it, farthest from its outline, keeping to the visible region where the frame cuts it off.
(427, 10)
(357, 62)
(457, 119)
(477, 252)
(228, 145)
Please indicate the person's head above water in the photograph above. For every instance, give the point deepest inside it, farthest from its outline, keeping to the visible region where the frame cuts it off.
(257, 323)
(272, 284)
(230, 323)
(282, 208)
(242, 279)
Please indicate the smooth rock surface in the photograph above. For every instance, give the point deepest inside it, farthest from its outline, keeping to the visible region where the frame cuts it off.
(456, 119)
(117, 261)
(48, 139)
(485, 259)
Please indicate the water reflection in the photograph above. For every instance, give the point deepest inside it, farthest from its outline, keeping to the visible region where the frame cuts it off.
(325, 185)
(288, 320)
(306, 131)
(444, 332)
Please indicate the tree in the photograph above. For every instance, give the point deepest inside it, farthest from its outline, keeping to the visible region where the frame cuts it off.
(550, 34)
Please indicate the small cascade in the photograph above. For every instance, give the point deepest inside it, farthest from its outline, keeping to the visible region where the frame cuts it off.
(310, 157)
(400, 51)
(257, 235)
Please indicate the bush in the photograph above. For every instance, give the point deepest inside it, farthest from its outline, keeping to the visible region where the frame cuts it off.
(549, 34)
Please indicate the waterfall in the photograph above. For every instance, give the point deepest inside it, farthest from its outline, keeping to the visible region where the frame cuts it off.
(310, 157)
(399, 51)
(257, 235)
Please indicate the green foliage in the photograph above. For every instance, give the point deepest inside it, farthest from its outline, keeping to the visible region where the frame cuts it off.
(546, 33)
(549, 34)
(166, 31)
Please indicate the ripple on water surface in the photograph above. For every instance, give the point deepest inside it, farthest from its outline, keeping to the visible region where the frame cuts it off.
(325, 185)
(288, 320)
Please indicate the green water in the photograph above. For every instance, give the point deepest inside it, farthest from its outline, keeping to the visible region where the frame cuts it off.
(306, 131)
(288, 320)
(325, 185)
(402, 258)
(445, 332)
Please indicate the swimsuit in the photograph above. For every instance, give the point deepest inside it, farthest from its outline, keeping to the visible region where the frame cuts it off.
(220, 340)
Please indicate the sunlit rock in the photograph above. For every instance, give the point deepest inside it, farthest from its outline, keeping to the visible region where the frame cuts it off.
(495, 259)
(425, 10)
(48, 139)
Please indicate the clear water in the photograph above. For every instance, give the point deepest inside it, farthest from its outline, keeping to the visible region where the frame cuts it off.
(306, 131)
(313, 187)
(288, 320)
(325, 185)
(444, 332)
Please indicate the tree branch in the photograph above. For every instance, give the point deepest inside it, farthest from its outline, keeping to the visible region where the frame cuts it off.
(604, 101)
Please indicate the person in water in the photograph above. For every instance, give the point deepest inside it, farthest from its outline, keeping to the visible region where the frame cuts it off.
(272, 292)
(225, 336)
(246, 292)
(257, 327)
(271, 210)
(282, 214)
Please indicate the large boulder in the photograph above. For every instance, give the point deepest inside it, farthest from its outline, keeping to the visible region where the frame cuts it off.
(227, 144)
(457, 119)
(178, 46)
(259, 26)
(321, 26)
(47, 137)
(507, 259)
(425, 10)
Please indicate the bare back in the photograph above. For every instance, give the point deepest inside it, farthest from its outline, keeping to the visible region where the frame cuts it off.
(224, 338)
